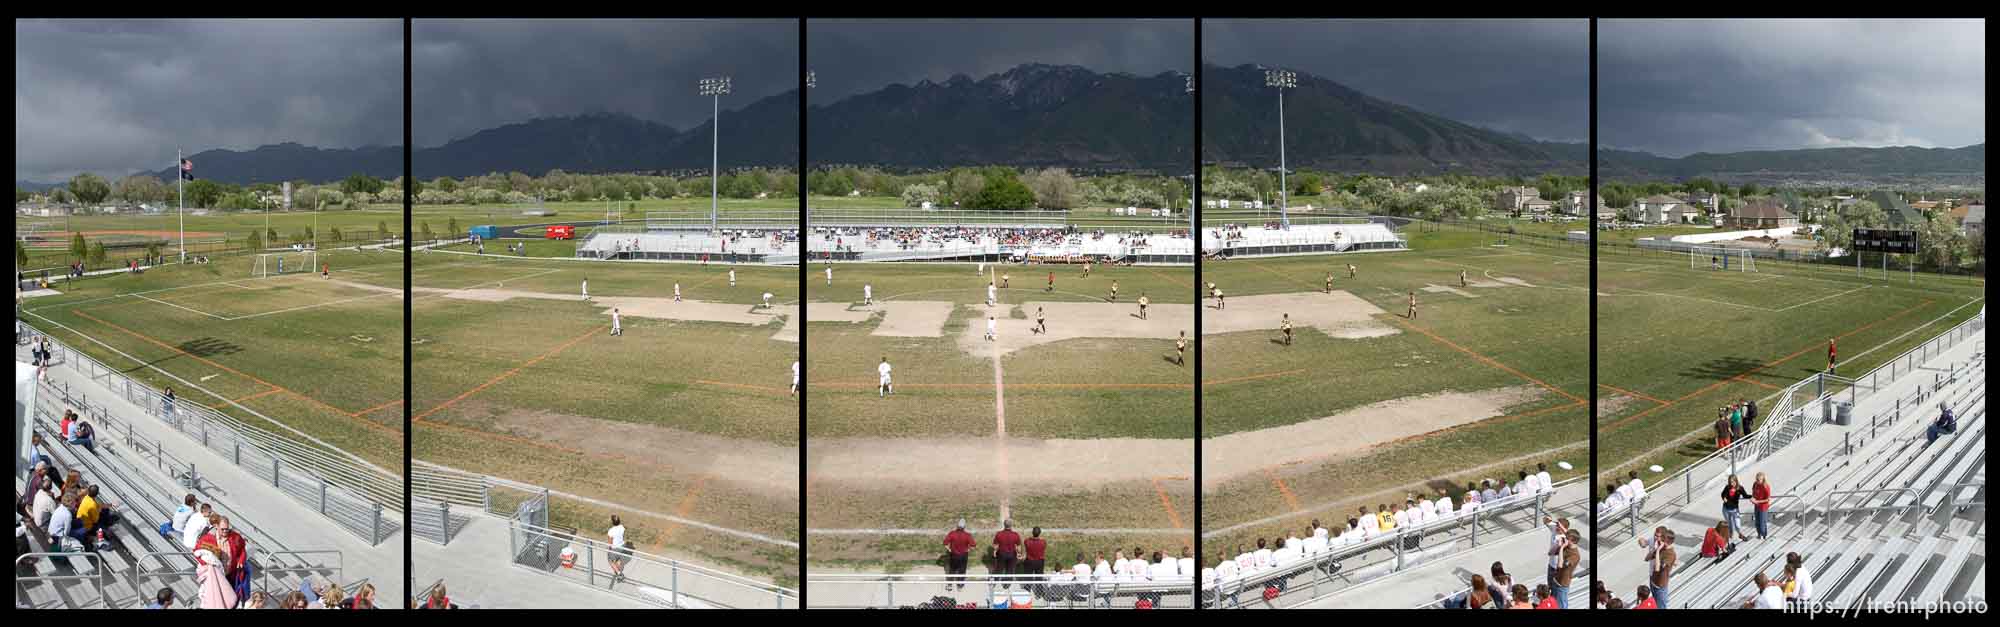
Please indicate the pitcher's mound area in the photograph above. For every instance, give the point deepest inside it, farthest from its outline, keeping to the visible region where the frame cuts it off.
(1353, 431)
(1071, 320)
(1340, 314)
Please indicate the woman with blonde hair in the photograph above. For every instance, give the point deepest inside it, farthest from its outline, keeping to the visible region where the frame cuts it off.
(294, 600)
(258, 600)
(363, 599)
(332, 597)
(210, 558)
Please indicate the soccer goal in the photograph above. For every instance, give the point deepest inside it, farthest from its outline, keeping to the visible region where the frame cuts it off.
(272, 264)
(1721, 258)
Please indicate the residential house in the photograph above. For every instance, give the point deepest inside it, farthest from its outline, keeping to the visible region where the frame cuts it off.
(1536, 207)
(1574, 202)
(1762, 213)
(1975, 220)
(1662, 209)
(1706, 200)
(1511, 200)
(1900, 214)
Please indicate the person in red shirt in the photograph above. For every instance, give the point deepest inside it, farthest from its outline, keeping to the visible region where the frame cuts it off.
(957, 545)
(1760, 496)
(1547, 598)
(1005, 544)
(1037, 549)
(1829, 355)
(1645, 599)
(1715, 543)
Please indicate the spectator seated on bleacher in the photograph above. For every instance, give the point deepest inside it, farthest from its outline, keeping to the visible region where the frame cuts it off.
(1946, 424)
(1716, 541)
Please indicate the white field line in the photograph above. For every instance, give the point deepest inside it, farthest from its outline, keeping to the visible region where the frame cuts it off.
(182, 308)
(150, 366)
(1000, 434)
(115, 296)
(313, 306)
(1627, 290)
(1420, 487)
(1676, 442)
(498, 282)
(940, 533)
(1489, 274)
(1837, 294)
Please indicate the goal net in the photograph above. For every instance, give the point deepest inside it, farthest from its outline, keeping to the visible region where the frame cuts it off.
(1721, 258)
(292, 262)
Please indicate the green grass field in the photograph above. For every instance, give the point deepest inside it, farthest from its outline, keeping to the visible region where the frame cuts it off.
(1675, 343)
(677, 416)
(1094, 393)
(322, 356)
(206, 234)
(1258, 393)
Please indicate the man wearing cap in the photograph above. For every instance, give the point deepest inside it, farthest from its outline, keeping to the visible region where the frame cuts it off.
(958, 545)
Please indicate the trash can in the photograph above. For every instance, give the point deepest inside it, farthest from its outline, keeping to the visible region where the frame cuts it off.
(1843, 413)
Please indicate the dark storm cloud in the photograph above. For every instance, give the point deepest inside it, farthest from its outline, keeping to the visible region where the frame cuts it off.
(1673, 87)
(1517, 76)
(858, 56)
(470, 75)
(116, 97)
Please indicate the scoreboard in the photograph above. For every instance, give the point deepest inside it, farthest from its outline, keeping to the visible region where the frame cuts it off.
(1885, 241)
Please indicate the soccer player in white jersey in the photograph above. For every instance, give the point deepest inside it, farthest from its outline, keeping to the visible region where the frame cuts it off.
(885, 387)
(867, 294)
(616, 328)
(767, 300)
(677, 292)
(795, 378)
(732, 277)
(991, 293)
(586, 288)
(992, 325)
(829, 274)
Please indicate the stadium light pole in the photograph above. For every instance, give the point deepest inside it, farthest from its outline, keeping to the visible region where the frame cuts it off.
(1191, 198)
(717, 88)
(1281, 80)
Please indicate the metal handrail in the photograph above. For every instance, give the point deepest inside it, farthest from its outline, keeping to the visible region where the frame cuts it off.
(97, 563)
(588, 557)
(1099, 591)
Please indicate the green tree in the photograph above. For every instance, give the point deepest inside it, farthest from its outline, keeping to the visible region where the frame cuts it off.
(20, 255)
(361, 183)
(451, 227)
(425, 228)
(22, 195)
(381, 229)
(141, 188)
(77, 247)
(89, 189)
(255, 242)
(917, 194)
(202, 192)
(97, 254)
(1004, 192)
(1054, 188)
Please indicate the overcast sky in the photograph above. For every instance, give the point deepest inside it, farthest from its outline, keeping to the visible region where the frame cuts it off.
(857, 56)
(471, 75)
(118, 97)
(1673, 87)
(1517, 75)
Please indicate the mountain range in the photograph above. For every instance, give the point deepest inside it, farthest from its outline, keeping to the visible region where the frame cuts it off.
(1057, 115)
(1813, 163)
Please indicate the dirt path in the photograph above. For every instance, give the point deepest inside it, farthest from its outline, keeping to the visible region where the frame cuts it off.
(1352, 432)
(1340, 314)
(761, 467)
(1070, 320)
(912, 318)
(1030, 462)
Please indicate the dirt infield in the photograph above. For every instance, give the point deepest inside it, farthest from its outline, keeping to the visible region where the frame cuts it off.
(1069, 320)
(1030, 462)
(635, 306)
(912, 318)
(1440, 289)
(759, 467)
(1353, 431)
(1340, 314)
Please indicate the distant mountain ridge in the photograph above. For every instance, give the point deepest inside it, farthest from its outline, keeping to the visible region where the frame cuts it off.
(1891, 161)
(1334, 127)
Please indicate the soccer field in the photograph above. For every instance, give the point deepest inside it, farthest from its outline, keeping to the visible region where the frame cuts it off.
(687, 413)
(1675, 343)
(1086, 430)
(1366, 405)
(258, 349)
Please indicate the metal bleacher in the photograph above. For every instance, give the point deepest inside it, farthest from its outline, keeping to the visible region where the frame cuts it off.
(1881, 517)
(142, 485)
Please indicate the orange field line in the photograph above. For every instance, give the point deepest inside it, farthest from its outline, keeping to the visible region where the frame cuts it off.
(760, 388)
(377, 408)
(1756, 382)
(1167, 504)
(504, 375)
(1489, 361)
(1253, 377)
(177, 349)
(1742, 377)
(545, 445)
(1630, 393)
(685, 507)
(1063, 386)
(1290, 499)
(258, 395)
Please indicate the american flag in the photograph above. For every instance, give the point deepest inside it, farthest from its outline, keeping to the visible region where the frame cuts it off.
(187, 169)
